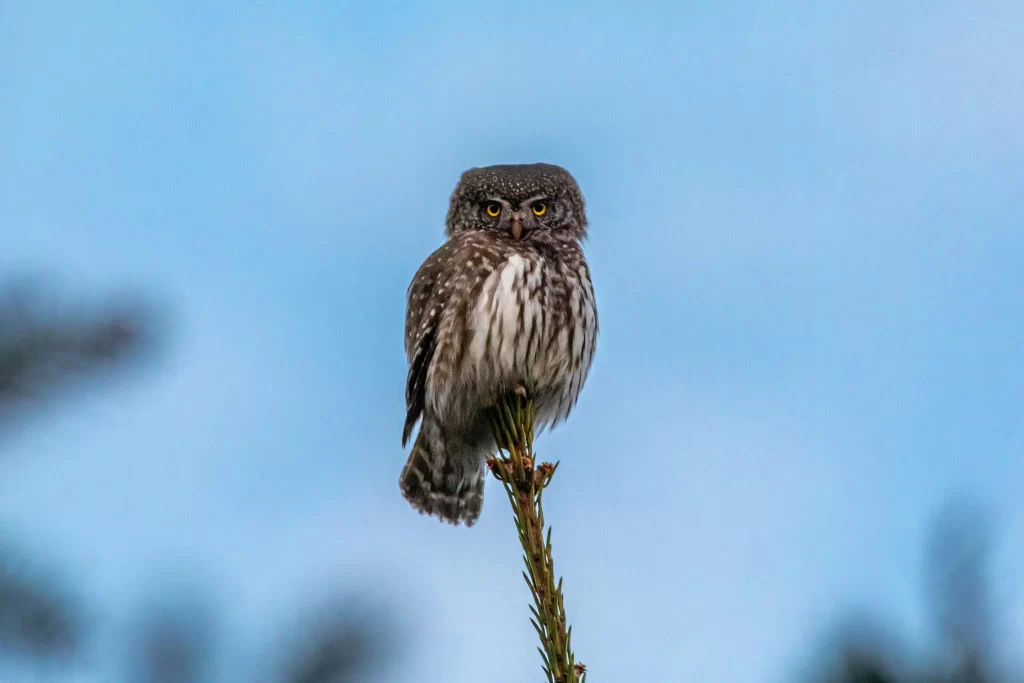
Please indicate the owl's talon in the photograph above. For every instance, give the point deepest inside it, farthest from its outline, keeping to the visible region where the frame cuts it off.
(520, 390)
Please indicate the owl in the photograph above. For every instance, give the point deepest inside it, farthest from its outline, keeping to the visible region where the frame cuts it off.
(506, 302)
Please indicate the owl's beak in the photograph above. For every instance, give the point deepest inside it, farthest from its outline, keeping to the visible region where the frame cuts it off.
(517, 227)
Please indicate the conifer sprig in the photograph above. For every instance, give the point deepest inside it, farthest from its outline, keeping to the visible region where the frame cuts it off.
(524, 482)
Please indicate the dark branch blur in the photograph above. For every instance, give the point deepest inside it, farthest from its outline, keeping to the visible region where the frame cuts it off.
(49, 346)
(958, 587)
(175, 638)
(37, 617)
(957, 556)
(339, 643)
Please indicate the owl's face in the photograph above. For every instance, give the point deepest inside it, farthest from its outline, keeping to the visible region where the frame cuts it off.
(520, 201)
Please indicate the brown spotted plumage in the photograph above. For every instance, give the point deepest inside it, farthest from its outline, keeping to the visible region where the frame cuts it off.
(507, 301)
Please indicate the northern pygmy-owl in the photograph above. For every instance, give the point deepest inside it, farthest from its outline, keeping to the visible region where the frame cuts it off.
(506, 301)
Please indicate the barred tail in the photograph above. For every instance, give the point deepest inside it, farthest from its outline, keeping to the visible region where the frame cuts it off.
(450, 488)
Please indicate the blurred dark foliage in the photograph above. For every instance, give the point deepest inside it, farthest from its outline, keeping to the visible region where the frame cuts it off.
(175, 638)
(862, 649)
(37, 617)
(44, 345)
(48, 343)
(957, 557)
(342, 643)
(47, 346)
(957, 584)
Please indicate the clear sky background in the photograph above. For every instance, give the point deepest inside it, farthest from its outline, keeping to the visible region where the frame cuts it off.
(808, 249)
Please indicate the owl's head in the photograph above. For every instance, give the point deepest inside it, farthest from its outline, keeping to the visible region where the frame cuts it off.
(519, 200)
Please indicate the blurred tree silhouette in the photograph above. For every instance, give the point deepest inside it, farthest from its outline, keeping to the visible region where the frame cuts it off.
(46, 345)
(46, 348)
(37, 618)
(958, 587)
(339, 643)
(174, 639)
(956, 573)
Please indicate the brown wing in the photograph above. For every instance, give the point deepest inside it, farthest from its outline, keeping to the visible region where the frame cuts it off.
(443, 287)
(421, 333)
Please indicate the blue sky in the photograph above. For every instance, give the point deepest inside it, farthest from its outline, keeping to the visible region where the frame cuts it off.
(807, 245)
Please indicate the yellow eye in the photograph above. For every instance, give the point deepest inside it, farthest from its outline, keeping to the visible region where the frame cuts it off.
(493, 209)
(540, 208)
